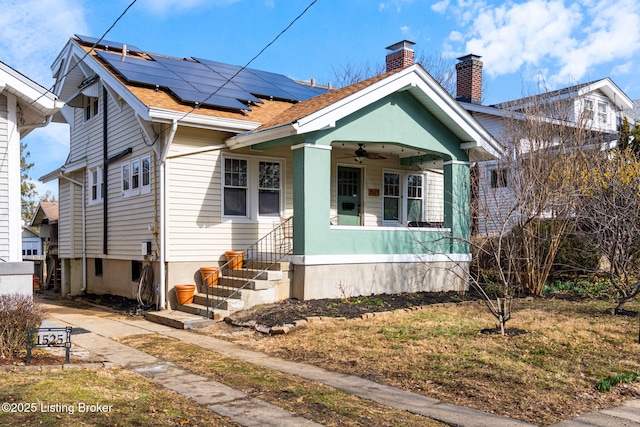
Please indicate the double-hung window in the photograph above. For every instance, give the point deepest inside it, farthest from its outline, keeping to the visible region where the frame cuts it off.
(589, 109)
(252, 187)
(136, 176)
(414, 197)
(603, 112)
(91, 107)
(235, 187)
(269, 188)
(96, 185)
(391, 197)
(403, 197)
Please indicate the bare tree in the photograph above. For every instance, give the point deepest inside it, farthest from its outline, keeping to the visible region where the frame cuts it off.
(609, 221)
(441, 69)
(527, 199)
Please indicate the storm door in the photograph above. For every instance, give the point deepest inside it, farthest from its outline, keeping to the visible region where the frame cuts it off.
(349, 195)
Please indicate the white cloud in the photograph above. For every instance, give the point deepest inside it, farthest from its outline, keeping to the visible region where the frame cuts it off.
(32, 32)
(440, 7)
(567, 40)
(163, 7)
(395, 5)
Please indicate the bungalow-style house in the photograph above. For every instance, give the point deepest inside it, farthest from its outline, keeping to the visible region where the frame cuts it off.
(174, 161)
(594, 106)
(46, 220)
(24, 106)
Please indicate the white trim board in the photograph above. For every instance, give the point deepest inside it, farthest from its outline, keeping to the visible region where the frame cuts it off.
(376, 258)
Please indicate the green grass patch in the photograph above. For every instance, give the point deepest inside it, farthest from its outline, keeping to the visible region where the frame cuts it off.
(105, 397)
(605, 384)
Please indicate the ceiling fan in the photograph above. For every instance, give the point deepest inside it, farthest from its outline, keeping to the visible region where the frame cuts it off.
(360, 154)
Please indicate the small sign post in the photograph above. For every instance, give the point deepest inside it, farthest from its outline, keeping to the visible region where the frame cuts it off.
(49, 337)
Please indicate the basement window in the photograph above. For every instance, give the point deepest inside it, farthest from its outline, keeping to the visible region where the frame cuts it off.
(97, 264)
(136, 271)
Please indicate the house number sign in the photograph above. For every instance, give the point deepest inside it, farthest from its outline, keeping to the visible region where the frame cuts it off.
(49, 337)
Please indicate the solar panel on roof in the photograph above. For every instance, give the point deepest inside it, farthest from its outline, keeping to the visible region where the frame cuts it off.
(209, 83)
(209, 100)
(107, 43)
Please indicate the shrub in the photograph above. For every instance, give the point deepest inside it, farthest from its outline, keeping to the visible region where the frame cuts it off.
(592, 287)
(17, 314)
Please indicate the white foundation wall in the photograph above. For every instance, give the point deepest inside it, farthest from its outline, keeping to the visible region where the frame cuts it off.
(351, 280)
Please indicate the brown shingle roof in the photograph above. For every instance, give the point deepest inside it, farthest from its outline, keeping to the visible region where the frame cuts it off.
(50, 209)
(260, 113)
(310, 106)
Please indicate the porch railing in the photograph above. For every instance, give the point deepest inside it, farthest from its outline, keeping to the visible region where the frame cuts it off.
(253, 263)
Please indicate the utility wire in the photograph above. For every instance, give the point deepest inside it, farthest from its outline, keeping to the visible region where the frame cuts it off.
(89, 51)
(280, 34)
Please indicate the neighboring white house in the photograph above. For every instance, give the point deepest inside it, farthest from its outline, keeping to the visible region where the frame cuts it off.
(24, 106)
(594, 105)
(31, 243)
(174, 161)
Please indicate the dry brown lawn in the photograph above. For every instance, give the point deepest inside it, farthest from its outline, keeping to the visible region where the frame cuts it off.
(544, 376)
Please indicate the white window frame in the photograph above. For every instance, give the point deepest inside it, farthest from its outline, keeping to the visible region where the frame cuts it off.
(589, 107)
(603, 112)
(404, 197)
(90, 107)
(392, 195)
(95, 183)
(253, 188)
(134, 181)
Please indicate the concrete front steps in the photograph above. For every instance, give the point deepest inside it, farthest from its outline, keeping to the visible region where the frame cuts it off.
(271, 284)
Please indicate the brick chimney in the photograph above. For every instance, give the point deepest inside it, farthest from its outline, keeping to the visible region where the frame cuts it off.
(401, 55)
(469, 79)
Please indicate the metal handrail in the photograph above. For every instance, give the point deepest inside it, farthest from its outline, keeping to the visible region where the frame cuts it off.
(257, 259)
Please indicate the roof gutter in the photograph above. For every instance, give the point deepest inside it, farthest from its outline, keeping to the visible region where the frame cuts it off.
(250, 138)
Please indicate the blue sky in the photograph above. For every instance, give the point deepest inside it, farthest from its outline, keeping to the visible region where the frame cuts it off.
(526, 45)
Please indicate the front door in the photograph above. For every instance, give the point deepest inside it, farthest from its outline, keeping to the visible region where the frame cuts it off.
(349, 198)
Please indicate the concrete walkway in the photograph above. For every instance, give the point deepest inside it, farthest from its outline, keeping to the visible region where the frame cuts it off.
(102, 325)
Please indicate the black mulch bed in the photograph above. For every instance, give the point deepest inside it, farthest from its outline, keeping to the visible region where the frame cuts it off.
(288, 311)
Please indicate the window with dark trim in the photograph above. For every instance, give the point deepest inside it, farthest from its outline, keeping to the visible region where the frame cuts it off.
(498, 178)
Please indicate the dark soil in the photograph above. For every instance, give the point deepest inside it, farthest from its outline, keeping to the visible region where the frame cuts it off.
(288, 311)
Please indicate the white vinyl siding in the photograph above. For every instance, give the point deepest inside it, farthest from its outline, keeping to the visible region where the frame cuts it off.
(196, 229)
(4, 182)
(128, 218)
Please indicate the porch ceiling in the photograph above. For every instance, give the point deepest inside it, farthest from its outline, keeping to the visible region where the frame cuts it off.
(387, 150)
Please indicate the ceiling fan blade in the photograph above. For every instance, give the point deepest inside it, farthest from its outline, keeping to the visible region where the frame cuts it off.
(375, 156)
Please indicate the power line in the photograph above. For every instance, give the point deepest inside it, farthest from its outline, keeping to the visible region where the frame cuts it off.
(89, 51)
(227, 81)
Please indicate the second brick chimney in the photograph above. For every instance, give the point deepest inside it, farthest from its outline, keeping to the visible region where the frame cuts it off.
(469, 79)
(401, 55)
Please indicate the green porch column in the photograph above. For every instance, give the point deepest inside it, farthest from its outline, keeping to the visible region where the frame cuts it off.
(311, 197)
(457, 211)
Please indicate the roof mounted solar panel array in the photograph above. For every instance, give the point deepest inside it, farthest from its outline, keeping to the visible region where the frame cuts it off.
(108, 44)
(204, 82)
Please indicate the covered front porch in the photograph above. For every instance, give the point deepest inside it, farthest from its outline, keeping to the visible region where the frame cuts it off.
(380, 186)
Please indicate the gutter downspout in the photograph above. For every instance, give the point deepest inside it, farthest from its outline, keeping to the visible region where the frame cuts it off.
(163, 215)
(105, 174)
(84, 232)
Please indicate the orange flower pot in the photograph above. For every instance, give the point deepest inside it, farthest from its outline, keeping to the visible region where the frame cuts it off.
(184, 293)
(210, 276)
(235, 259)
